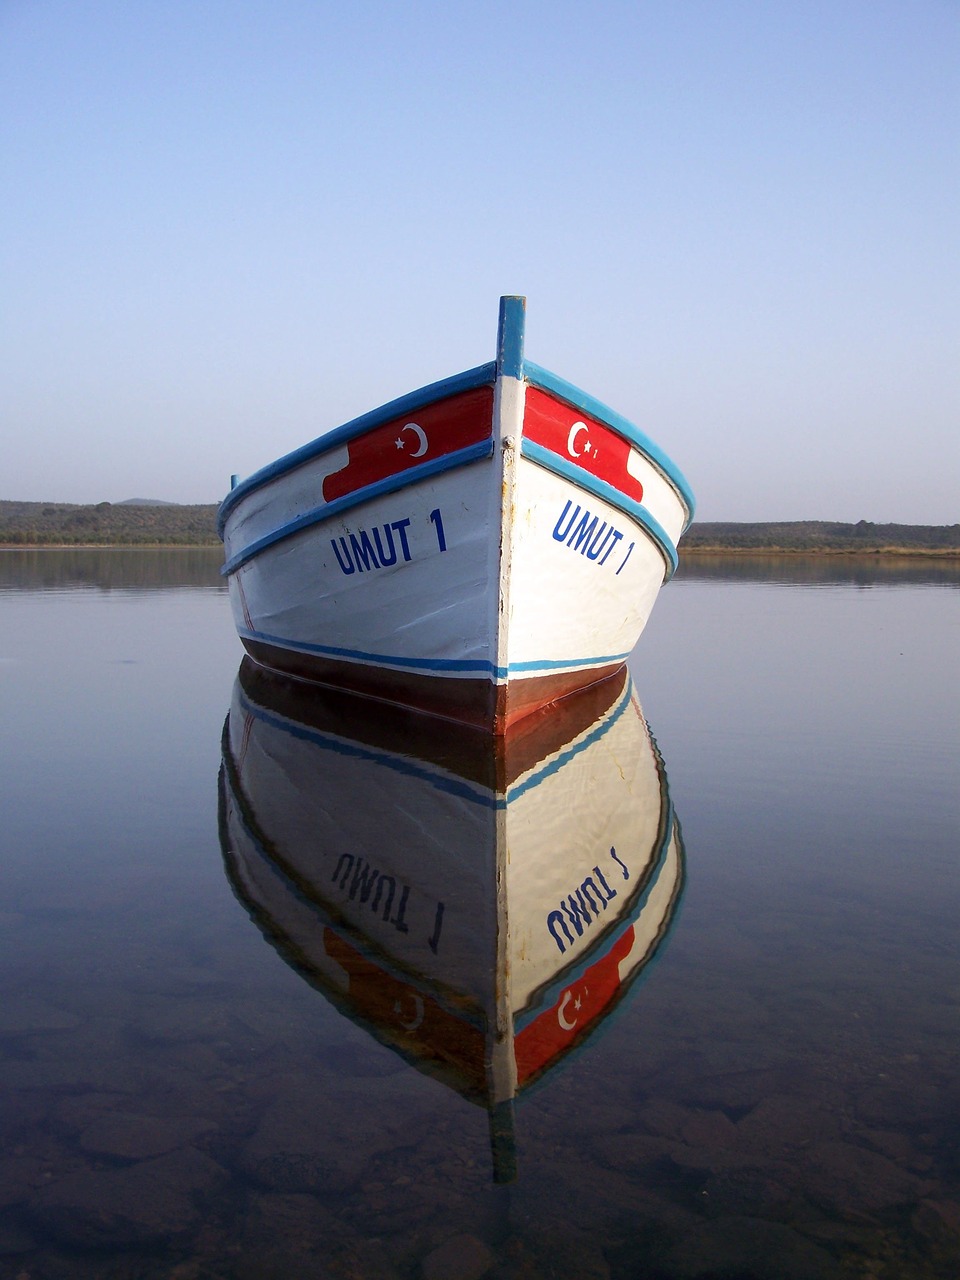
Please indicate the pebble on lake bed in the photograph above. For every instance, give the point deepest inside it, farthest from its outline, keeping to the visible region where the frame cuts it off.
(459, 1258)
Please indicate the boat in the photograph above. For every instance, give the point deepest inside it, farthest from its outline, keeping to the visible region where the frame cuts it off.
(479, 905)
(476, 549)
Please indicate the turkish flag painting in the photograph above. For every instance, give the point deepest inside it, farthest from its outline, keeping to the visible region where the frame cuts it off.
(582, 441)
(409, 1017)
(579, 1005)
(409, 441)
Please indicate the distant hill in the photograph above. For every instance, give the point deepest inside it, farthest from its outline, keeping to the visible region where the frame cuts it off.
(107, 524)
(145, 502)
(823, 536)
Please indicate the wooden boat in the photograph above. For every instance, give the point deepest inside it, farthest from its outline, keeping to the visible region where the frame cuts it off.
(479, 905)
(476, 549)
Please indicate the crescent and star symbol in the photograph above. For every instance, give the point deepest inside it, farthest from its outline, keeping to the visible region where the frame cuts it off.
(421, 435)
(417, 1013)
(572, 437)
(561, 1016)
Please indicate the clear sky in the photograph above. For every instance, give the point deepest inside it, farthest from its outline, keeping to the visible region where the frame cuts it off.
(227, 226)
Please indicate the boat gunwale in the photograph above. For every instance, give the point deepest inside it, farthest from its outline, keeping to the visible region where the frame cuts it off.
(481, 375)
(552, 383)
(529, 449)
(533, 374)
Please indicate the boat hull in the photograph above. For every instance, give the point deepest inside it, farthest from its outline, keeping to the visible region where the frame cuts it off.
(477, 550)
(480, 907)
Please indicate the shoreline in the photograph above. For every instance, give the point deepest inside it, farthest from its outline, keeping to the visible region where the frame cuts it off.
(862, 553)
(686, 553)
(32, 524)
(110, 546)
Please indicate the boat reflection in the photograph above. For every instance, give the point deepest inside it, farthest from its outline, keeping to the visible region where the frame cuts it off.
(480, 905)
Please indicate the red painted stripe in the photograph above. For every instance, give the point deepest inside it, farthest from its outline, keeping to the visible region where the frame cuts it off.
(414, 1021)
(578, 1007)
(410, 441)
(581, 440)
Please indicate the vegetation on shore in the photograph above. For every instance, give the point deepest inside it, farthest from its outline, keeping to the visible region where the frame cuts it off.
(35, 524)
(38, 524)
(808, 537)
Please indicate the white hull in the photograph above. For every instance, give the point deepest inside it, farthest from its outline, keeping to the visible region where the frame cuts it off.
(517, 561)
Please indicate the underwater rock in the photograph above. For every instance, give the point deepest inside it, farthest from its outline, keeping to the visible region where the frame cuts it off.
(939, 1221)
(461, 1257)
(138, 1137)
(783, 1122)
(323, 1139)
(752, 1248)
(844, 1178)
(109, 1208)
(630, 1151)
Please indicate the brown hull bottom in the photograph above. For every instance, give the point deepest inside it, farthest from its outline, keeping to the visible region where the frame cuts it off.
(487, 706)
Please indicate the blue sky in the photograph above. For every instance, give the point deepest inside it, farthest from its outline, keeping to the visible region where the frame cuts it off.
(228, 226)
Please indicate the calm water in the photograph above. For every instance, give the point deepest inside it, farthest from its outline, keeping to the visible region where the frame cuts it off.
(183, 1092)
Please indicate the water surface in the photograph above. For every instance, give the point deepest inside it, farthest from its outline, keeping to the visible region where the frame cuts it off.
(776, 1094)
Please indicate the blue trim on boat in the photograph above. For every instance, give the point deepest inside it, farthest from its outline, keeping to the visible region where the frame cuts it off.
(510, 333)
(450, 666)
(483, 374)
(571, 750)
(447, 666)
(537, 376)
(601, 489)
(392, 484)
(564, 664)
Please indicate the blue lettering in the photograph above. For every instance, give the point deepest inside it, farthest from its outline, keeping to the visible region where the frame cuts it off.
(582, 907)
(596, 546)
(622, 865)
(362, 551)
(576, 911)
(582, 531)
(385, 880)
(345, 858)
(385, 558)
(589, 896)
(363, 884)
(611, 893)
(398, 920)
(553, 919)
(561, 534)
(364, 878)
(580, 538)
(349, 567)
(626, 557)
(434, 941)
(401, 528)
(617, 535)
(441, 536)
